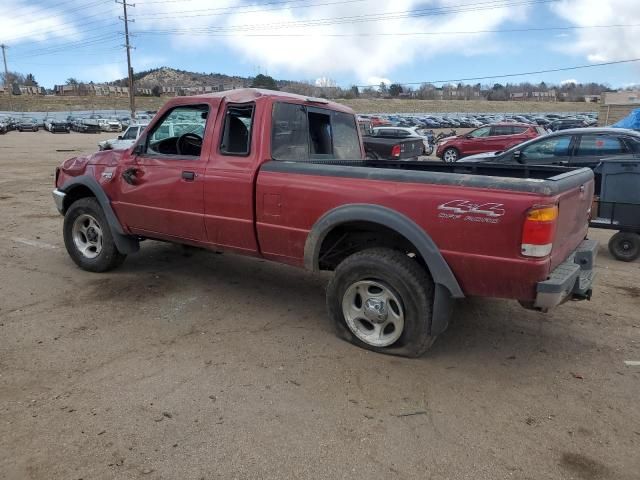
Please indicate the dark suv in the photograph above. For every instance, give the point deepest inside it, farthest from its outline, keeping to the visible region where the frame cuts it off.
(580, 147)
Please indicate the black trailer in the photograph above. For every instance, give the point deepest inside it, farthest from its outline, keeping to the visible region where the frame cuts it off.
(617, 207)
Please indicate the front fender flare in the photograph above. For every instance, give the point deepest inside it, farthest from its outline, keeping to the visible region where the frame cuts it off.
(125, 243)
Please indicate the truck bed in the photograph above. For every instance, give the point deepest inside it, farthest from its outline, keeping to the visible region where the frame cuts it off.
(545, 180)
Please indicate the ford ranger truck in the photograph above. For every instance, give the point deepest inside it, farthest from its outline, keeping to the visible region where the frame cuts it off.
(284, 177)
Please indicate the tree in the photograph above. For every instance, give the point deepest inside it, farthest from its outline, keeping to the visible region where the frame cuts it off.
(383, 88)
(72, 81)
(30, 80)
(156, 90)
(355, 91)
(12, 78)
(264, 81)
(395, 89)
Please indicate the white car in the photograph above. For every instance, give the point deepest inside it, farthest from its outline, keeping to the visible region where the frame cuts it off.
(404, 132)
(125, 140)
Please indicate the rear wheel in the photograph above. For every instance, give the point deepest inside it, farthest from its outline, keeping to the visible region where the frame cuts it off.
(450, 155)
(88, 239)
(625, 246)
(381, 300)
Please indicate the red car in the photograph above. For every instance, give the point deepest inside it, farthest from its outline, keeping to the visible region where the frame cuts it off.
(490, 138)
(283, 177)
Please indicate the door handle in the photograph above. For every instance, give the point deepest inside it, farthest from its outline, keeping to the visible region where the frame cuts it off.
(188, 176)
(129, 175)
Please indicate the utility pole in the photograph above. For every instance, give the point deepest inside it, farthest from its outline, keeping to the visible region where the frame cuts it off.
(132, 102)
(6, 75)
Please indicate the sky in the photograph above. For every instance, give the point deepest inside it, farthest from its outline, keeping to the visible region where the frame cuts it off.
(349, 42)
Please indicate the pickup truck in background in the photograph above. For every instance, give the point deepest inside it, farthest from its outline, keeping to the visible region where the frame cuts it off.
(383, 147)
(284, 177)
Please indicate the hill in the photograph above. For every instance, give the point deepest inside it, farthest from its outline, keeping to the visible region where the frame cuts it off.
(52, 103)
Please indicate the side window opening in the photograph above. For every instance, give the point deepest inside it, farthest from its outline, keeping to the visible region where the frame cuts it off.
(236, 134)
(320, 133)
(300, 133)
(180, 132)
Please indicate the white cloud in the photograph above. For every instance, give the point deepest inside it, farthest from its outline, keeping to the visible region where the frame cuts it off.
(313, 52)
(25, 22)
(378, 81)
(601, 44)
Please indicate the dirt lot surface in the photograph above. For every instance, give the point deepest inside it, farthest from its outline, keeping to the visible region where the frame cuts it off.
(363, 105)
(204, 366)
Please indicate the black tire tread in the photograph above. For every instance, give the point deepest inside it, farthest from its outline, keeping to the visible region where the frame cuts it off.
(413, 274)
(110, 257)
(621, 255)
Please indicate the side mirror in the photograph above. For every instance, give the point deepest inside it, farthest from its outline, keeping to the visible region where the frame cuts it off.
(468, 137)
(518, 157)
(140, 147)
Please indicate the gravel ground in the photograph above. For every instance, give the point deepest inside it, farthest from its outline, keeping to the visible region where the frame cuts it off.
(194, 365)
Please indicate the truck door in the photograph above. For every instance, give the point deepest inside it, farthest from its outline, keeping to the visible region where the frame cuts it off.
(161, 187)
(229, 181)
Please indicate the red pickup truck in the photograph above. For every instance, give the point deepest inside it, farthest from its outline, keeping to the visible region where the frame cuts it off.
(283, 177)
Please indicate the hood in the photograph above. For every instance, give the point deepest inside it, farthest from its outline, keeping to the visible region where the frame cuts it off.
(77, 165)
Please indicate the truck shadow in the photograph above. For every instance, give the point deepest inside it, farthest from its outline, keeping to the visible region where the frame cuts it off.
(496, 331)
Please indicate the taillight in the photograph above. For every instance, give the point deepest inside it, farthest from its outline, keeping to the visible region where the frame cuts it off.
(539, 230)
(395, 151)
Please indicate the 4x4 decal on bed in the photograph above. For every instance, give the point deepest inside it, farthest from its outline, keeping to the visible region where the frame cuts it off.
(471, 211)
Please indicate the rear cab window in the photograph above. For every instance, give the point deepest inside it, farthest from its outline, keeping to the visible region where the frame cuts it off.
(303, 133)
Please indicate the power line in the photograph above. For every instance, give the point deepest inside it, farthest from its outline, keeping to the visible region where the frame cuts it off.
(57, 12)
(390, 34)
(234, 10)
(508, 75)
(369, 17)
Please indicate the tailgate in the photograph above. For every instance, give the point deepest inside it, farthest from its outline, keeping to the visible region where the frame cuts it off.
(574, 208)
(411, 148)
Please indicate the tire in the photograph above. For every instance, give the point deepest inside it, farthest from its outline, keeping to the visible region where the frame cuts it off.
(362, 281)
(625, 246)
(86, 230)
(450, 155)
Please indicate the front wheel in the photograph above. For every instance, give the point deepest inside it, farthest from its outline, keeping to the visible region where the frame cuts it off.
(625, 246)
(450, 155)
(381, 299)
(88, 239)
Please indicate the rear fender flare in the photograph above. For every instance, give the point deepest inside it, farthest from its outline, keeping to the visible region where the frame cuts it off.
(394, 220)
(125, 243)
(446, 285)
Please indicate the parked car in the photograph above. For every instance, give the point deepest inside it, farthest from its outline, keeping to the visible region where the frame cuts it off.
(381, 147)
(406, 132)
(110, 125)
(4, 126)
(499, 136)
(566, 124)
(282, 177)
(580, 147)
(86, 125)
(128, 138)
(55, 126)
(27, 125)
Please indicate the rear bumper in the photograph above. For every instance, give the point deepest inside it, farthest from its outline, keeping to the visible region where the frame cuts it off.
(571, 280)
